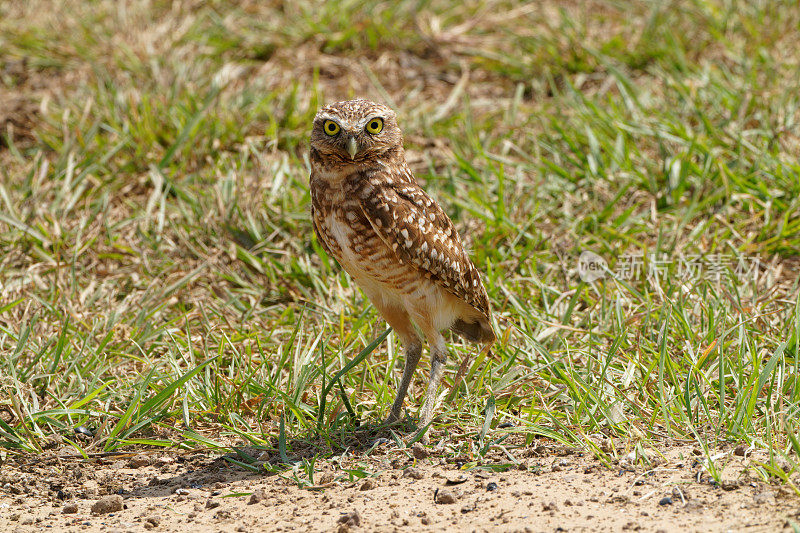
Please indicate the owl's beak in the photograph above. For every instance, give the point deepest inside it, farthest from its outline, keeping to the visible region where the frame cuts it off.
(352, 147)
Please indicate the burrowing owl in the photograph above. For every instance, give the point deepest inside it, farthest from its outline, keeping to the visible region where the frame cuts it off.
(393, 239)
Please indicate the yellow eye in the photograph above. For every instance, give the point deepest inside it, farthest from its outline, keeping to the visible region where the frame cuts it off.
(331, 128)
(374, 126)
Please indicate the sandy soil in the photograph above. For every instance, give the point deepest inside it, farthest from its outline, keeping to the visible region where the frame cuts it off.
(551, 489)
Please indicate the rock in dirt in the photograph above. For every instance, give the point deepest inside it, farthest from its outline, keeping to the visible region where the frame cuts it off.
(211, 504)
(413, 472)
(83, 431)
(368, 484)
(350, 519)
(456, 480)
(70, 508)
(152, 522)
(258, 496)
(419, 451)
(491, 486)
(108, 504)
(665, 501)
(445, 496)
(739, 450)
(140, 460)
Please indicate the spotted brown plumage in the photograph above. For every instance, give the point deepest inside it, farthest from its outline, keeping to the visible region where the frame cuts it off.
(394, 240)
(419, 232)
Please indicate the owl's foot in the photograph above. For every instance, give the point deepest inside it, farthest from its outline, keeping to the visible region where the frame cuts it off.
(391, 420)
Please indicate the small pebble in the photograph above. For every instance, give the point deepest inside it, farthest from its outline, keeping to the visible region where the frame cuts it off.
(108, 504)
(139, 460)
(350, 519)
(665, 501)
(419, 451)
(413, 472)
(257, 496)
(84, 431)
(445, 496)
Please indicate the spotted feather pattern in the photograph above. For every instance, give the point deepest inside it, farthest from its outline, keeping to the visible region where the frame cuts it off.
(318, 231)
(420, 233)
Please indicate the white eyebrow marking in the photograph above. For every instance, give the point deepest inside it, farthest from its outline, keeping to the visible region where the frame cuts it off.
(326, 116)
(363, 123)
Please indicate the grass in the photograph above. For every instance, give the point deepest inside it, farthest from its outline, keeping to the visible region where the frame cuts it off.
(160, 284)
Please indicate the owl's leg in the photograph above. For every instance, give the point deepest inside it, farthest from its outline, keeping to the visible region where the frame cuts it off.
(413, 353)
(399, 320)
(438, 361)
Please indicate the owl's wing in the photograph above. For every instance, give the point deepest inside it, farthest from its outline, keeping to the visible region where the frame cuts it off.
(419, 232)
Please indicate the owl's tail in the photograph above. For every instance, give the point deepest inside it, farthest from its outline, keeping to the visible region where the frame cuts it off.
(479, 331)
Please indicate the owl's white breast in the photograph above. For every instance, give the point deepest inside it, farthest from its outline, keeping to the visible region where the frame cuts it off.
(343, 234)
(370, 263)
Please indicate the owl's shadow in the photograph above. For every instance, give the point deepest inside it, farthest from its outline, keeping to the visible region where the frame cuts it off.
(371, 434)
(358, 437)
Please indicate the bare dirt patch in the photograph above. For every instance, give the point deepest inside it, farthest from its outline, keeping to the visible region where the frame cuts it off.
(551, 492)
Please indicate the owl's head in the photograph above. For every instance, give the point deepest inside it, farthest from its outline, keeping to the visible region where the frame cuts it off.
(355, 131)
